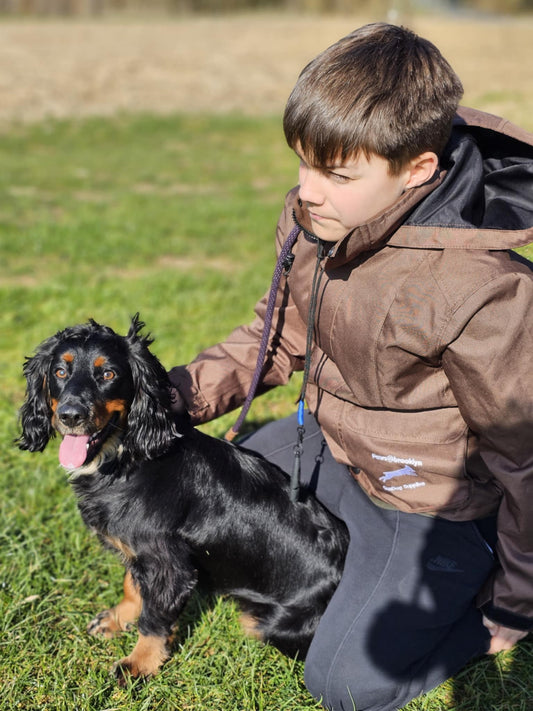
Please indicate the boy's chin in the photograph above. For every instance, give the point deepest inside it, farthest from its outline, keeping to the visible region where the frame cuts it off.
(328, 232)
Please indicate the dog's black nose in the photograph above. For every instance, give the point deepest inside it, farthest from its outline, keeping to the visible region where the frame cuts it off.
(72, 414)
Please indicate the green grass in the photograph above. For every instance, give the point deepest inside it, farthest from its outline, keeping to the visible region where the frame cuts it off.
(173, 217)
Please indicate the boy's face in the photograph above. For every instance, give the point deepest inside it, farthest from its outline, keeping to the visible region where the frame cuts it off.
(343, 196)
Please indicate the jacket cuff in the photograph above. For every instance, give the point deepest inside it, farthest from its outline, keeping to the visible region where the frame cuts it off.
(196, 404)
(506, 618)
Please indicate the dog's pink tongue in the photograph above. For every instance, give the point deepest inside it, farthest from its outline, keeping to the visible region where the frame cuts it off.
(73, 451)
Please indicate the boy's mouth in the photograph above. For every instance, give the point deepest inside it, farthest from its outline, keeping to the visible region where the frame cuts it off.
(316, 217)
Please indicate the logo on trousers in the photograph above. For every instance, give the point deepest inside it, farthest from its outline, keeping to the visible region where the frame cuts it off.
(442, 564)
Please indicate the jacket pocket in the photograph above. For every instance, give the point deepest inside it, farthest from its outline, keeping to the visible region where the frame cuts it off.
(414, 460)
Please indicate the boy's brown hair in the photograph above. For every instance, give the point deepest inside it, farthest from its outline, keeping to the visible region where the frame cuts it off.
(381, 90)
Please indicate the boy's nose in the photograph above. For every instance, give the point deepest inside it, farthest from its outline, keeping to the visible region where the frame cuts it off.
(310, 187)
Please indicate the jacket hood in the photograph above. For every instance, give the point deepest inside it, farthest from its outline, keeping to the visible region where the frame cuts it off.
(480, 199)
(485, 198)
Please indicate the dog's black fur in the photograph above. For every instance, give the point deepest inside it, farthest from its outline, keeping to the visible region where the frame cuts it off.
(177, 504)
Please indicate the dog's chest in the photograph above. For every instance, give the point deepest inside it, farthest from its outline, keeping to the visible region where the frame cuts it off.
(107, 510)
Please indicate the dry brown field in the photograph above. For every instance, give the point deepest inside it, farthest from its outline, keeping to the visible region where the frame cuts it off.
(245, 64)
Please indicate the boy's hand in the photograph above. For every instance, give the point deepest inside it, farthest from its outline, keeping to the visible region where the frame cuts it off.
(502, 637)
(177, 403)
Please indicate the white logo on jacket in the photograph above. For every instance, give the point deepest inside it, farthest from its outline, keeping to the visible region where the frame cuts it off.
(406, 470)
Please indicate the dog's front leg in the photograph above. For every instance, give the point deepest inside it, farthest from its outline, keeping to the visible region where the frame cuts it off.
(119, 618)
(165, 589)
(145, 660)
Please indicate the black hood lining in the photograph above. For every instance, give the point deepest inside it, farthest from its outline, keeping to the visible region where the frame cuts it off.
(488, 184)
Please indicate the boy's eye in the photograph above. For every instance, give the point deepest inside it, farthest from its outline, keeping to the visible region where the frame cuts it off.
(339, 178)
(108, 375)
(60, 373)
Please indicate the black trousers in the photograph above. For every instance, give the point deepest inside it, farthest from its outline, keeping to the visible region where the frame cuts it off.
(403, 618)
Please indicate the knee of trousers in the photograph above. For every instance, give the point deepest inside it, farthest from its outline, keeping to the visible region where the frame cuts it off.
(339, 687)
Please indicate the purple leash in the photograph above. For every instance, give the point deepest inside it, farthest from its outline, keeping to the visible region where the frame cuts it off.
(281, 266)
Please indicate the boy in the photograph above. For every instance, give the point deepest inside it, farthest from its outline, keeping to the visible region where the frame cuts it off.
(416, 359)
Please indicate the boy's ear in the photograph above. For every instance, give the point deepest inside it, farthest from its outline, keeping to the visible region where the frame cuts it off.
(421, 169)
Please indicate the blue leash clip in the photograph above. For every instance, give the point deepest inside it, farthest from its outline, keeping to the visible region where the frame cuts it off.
(301, 412)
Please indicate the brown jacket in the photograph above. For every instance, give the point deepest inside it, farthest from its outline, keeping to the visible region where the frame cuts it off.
(421, 375)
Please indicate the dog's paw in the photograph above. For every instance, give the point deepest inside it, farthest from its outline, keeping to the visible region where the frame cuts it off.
(125, 670)
(145, 660)
(106, 625)
(250, 626)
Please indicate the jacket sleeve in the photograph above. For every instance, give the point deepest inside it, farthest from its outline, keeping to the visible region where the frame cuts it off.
(489, 369)
(218, 379)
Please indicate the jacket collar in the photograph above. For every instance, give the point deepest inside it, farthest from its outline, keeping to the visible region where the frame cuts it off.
(372, 234)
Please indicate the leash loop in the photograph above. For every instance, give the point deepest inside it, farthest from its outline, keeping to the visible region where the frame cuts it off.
(283, 266)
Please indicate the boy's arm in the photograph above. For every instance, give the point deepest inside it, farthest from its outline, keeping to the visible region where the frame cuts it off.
(218, 379)
(489, 368)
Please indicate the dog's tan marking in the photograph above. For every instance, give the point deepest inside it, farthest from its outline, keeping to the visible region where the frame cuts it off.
(146, 659)
(121, 547)
(117, 405)
(103, 412)
(68, 357)
(99, 362)
(112, 622)
(250, 627)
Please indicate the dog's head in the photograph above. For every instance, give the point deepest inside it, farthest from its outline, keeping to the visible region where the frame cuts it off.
(98, 391)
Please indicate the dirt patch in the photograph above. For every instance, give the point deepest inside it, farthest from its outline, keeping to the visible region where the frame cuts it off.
(245, 64)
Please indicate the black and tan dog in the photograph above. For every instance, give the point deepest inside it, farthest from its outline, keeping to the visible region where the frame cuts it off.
(178, 505)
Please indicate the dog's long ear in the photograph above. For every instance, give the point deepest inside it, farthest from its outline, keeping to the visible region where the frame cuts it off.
(151, 426)
(36, 413)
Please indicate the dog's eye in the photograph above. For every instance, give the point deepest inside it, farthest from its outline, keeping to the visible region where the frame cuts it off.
(61, 373)
(108, 375)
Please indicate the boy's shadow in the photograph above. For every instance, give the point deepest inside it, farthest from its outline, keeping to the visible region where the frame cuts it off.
(501, 682)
